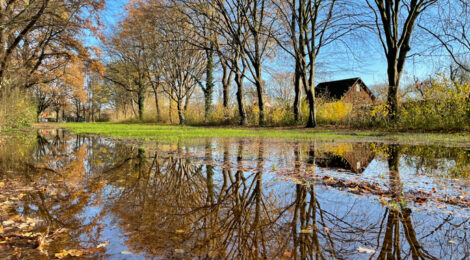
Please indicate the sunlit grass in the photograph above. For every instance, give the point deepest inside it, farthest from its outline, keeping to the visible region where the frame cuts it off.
(174, 132)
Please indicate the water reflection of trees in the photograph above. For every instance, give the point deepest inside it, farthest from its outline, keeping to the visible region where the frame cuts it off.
(58, 187)
(445, 161)
(398, 213)
(173, 205)
(167, 205)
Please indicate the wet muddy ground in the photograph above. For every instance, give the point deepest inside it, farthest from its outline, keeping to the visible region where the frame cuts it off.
(63, 195)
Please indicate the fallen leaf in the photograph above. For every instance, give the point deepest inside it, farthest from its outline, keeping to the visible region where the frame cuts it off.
(305, 231)
(8, 222)
(180, 231)
(452, 241)
(2, 184)
(383, 202)
(126, 253)
(287, 254)
(355, 189)
(16, 218)
(72, 252)
(365, 250)
(105, 244)
(179, 251)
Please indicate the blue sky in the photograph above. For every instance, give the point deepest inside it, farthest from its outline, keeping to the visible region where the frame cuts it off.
(363, 59)
(114, 11)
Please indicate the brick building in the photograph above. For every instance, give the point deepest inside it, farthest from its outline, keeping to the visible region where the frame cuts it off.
(352, 91)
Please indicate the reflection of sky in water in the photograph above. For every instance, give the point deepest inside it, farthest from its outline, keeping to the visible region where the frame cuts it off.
(351, 221)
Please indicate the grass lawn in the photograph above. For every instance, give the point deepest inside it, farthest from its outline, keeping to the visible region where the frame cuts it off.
(174, 132)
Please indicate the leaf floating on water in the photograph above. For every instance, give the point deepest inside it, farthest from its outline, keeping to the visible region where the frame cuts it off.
(366, 250)
(126, 253)
(105, 244)
(71, 252)
(383, 202)
(355, 189)
(8, 222)
(452, 241)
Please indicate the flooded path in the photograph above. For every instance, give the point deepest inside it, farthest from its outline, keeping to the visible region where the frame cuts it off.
(64, 195)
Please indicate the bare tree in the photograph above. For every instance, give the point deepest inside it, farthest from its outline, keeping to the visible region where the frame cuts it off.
(232, 36)
(450, 24)
(395, 22)
(182, 68)
(246, 29)
(307, 27)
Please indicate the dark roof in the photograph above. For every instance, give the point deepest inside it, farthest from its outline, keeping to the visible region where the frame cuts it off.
(336, 89)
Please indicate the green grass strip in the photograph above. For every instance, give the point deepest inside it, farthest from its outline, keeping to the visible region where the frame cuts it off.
(175, 132)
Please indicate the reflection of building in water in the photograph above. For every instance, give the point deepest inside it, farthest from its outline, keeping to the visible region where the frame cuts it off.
(350, 157)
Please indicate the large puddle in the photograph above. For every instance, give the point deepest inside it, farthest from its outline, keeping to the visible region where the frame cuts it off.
(232, 198)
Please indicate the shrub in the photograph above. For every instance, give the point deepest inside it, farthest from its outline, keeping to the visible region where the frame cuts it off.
(16, 109)
(334, 112)
(443, 106)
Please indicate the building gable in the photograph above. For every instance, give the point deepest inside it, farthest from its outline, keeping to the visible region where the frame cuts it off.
(352, 90)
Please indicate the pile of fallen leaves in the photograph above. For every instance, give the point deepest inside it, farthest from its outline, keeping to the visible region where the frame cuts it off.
(20, 236)
(367, 188)
(17, 233)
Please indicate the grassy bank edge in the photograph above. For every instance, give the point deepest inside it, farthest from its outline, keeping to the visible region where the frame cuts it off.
(146, 132)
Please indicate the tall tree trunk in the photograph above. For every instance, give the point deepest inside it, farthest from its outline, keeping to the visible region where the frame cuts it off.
(180, 111)
(209, 90)
(157, 105)
(259, 90)
(296, 106)
(141, 101)
(227, 75)
(78, 112)
(57, 112)
(241, 106)
(312, 122)
(393, 83)
(92, 112)
(170, 108)
(84, 113)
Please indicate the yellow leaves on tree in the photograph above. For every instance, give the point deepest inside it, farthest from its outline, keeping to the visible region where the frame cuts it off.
(74, 78)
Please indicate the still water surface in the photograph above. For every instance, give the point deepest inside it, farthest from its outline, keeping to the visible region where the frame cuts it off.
(243, 199)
